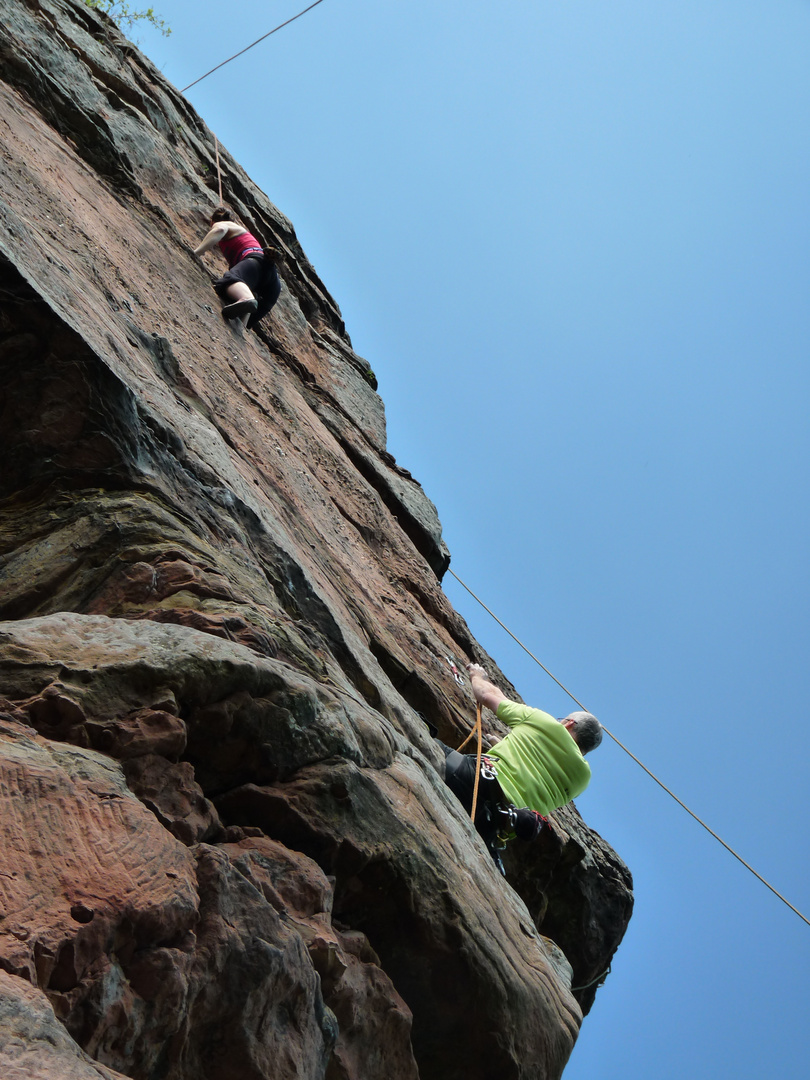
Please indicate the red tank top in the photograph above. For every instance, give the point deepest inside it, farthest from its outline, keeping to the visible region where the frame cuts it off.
(235, 248)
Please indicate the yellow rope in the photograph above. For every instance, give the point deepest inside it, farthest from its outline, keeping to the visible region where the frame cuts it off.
(479, 731)
(473, 730)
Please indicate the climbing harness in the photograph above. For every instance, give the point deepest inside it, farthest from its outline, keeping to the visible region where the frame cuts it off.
(621, 745)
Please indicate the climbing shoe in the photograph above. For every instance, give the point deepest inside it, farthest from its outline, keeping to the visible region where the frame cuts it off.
(241, 307)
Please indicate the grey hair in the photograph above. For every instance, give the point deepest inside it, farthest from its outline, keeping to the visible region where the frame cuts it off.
(586, 730)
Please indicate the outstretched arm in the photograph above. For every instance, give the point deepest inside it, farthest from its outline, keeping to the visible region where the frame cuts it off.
(212, 238)
(486, 692)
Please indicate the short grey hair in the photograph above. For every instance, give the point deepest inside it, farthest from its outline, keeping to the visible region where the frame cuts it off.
(586, 730)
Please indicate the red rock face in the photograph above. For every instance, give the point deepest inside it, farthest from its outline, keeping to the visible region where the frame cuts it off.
(228, 850)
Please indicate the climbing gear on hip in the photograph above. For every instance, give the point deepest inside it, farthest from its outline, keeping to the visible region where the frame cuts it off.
(497, 819)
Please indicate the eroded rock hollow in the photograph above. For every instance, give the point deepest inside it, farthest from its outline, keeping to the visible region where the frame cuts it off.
(228, 851)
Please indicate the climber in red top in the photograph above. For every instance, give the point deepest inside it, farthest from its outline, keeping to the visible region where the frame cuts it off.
(251, 282)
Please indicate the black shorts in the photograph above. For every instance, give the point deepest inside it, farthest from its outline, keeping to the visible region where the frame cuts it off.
(249, 271)
(459, 775)
(261, 277)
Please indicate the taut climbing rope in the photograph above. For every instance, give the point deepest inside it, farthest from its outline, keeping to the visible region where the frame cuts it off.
(219, 172)
(641, 764)
(256, 42)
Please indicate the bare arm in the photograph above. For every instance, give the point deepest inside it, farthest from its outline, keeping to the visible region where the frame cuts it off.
(486, 692)
(213, 236)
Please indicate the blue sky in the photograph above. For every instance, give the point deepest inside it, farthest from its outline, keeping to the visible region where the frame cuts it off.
(571, 238)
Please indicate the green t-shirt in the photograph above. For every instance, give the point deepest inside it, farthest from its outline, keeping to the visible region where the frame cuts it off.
(539, 764)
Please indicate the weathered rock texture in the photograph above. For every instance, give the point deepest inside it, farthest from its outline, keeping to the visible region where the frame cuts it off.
(228, 851)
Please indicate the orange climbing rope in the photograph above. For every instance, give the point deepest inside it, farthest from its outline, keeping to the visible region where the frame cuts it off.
(478, 729)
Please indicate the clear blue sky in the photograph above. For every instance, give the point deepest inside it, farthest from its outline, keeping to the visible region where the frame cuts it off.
(571, 237)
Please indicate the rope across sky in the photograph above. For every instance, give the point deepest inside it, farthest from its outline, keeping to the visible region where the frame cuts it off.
(651, 774)
(256, 42)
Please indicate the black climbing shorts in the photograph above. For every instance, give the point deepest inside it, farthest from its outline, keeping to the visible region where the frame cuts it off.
(459, 775)
(261, 277)
(249, 271)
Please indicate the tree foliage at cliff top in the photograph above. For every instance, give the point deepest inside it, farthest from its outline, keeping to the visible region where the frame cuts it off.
(126, 17)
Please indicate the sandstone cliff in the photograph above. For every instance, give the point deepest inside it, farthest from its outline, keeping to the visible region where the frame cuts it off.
(228, 851)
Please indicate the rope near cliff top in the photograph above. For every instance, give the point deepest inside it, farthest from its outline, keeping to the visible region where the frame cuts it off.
(247, 47)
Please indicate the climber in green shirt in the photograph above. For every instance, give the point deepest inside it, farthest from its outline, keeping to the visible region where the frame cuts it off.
(538, 767)
(540, 763)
